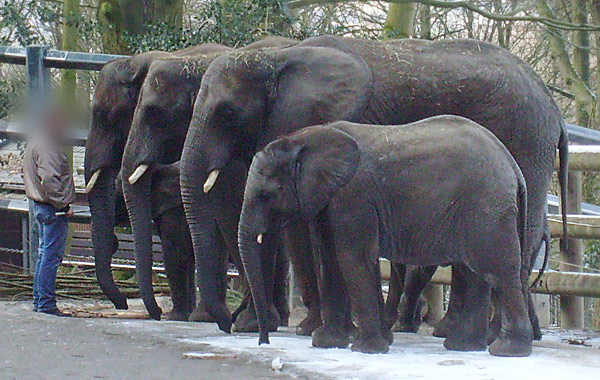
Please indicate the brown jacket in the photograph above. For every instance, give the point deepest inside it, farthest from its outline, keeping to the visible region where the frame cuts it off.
(47, 174)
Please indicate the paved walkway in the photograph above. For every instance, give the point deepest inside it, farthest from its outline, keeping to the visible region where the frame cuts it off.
(36, 346)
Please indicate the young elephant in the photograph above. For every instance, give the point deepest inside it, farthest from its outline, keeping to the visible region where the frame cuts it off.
(440, 191)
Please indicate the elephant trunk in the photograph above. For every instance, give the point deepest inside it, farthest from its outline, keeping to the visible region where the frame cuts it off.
(139, 205)
(198, 202)
(102, 202)
(250, 241)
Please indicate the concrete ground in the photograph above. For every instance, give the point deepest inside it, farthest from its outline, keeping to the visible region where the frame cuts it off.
(37, 346)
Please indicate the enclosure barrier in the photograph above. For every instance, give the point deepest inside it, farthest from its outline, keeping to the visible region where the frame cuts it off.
(551, 282)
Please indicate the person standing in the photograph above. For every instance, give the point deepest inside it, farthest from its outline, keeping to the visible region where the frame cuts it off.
(48, 180)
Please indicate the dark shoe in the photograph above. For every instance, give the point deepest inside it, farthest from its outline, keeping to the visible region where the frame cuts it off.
(55, 312)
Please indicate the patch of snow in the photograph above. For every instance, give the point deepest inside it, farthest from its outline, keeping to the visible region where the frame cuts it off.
(419, 356)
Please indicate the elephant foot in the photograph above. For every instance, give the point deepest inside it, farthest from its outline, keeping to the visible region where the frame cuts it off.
(310, 323)
(370, 343)
(178, 315)
(200, 314)
(535, 325)
(247, 321)
(330, 336)
(511, 346)
(406, 326)
(285, 321)
(445, 326)
(456, 343)
(388, 335)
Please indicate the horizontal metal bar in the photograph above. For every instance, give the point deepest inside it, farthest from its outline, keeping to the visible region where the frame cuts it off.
(582, 136)
(13, 55)
(75, 60)
(59, 59)
(16, 131)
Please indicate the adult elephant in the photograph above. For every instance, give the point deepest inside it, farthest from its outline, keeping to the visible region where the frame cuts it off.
(247, 101)
(113, 105)
(156, 138)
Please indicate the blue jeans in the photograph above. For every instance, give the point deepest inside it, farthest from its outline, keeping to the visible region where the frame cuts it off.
(53, 232)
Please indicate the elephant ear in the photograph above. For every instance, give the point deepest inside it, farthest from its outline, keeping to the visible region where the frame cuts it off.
(326, 160)
(316, 85)
(166, 193)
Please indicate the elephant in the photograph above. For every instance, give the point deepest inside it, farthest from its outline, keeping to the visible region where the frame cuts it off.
(114, 102)
(156, 138)
(439, 191)
(248, 100)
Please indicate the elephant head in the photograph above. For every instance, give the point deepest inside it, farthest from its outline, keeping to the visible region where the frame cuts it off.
(158, 131)
(293, 177)
(246, 100)
(112, 111)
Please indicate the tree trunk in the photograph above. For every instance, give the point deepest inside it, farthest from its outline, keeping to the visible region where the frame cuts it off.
(120, 17)
(400, 20)
(425, 21)
(572, 316)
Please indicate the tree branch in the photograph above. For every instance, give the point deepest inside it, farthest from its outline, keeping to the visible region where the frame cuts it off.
(562, 60)
(511, 16)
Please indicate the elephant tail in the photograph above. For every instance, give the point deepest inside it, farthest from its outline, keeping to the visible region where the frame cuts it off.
(563, 176)
(546, 238)
(522, 224)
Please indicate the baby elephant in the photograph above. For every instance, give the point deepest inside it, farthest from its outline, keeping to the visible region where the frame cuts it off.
(441, 191)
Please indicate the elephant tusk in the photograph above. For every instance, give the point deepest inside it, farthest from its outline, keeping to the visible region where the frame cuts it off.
(210, 181)
(137, 174)
(90, 185)
(259, 238)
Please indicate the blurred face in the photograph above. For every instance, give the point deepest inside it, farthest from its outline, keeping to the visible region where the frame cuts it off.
(55, 121)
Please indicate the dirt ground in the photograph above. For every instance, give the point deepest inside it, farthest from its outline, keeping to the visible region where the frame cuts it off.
(102, 343)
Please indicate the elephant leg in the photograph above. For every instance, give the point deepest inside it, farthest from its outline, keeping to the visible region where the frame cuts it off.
(396, 287)
(176, 267)
(280, 289)
(452, 317)
(297, 244)
(417, 279)
(516, 334)
(512, 284)
(471, 333)
(335, 304)
(361, 276)
(200, 314)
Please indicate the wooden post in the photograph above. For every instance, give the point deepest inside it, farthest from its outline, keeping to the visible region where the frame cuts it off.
(434, 296)
(571, 308)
